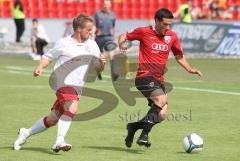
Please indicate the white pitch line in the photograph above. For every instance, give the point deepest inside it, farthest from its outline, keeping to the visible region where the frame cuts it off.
(20, 71)
(26, 73)
(186, 81)
(23, 71)
(23, 86)
(177, 88)
(208, 91)
(27, 69)
(106, 76)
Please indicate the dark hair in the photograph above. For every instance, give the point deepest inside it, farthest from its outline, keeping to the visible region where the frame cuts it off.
(80, 21)
(163, 13)
(34, 20)
(18, 3)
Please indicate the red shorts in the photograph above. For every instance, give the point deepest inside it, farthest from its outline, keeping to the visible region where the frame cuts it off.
(64, 94)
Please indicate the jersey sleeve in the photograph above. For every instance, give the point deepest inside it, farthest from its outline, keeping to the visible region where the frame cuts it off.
(95, 59)
(136, 34)
(95, 49)
(55, 51)
(177, 47)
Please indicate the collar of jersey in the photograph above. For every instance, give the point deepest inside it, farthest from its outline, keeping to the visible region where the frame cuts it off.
(106, 13)
(154, 30)
(75, 42)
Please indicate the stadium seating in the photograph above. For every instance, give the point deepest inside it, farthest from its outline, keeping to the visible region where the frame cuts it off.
(5, 9)
(124, 9)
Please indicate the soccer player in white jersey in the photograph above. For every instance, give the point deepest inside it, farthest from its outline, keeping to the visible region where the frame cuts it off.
(66, 105)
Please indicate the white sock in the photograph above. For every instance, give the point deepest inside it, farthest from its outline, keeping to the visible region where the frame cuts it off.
(63, 125)
(37, 127)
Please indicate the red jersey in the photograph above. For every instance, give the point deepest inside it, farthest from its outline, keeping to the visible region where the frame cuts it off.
(154, 50)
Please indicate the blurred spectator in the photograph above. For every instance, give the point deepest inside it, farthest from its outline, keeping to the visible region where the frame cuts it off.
(222, 4)
(205, 8)
(229, 12)
(217, 8)
(105, 29)
(184, 12)
(214, 8)
(224, 11)
(197, 12)
(39, 39)
(19, 18)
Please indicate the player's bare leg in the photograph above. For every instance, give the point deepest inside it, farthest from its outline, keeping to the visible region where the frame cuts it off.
(99, 75)
(127, 68)
(114, 75)
(40, 126)
(70, 109)
(156, 114)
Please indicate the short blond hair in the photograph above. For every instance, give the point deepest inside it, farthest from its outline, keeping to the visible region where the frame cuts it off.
(81, 20)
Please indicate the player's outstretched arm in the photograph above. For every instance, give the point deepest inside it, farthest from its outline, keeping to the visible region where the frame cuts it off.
(43, 63)
(183, 62)
(121, 43)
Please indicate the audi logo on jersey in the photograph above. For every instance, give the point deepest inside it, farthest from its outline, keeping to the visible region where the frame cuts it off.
(159, 47)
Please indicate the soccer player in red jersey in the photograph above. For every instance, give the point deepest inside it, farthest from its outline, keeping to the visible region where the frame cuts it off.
(66, 50)
(155, 44)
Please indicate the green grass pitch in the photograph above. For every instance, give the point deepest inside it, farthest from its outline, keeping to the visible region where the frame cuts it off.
(208, 106)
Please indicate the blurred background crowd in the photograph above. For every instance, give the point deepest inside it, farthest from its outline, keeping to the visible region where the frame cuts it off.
(124, 9)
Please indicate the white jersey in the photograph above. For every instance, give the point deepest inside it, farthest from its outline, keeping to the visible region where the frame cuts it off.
(40, 33)
(71, 56)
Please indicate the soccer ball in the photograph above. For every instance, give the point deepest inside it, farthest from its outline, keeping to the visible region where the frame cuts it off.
(193, 143)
